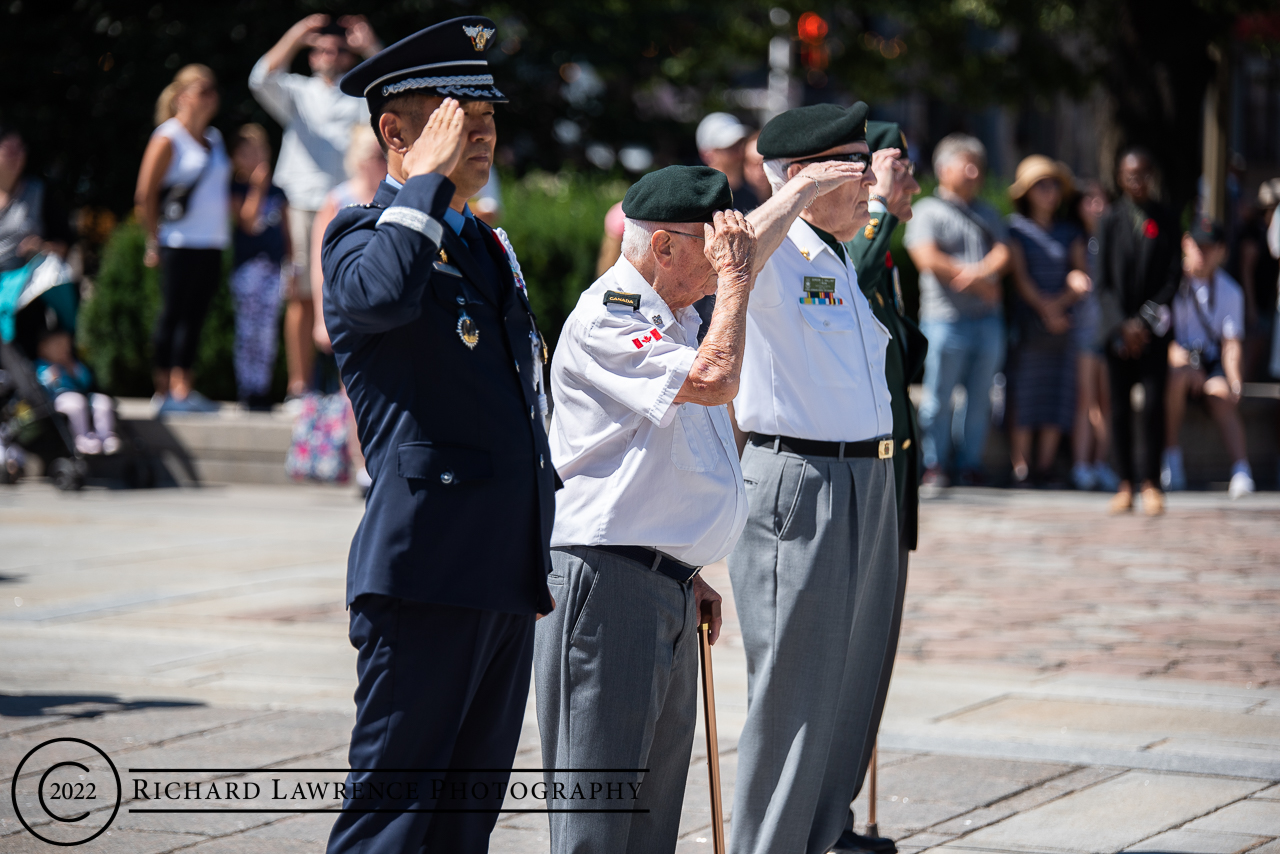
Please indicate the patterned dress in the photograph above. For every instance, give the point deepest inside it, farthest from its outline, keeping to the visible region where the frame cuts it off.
(1043, 370)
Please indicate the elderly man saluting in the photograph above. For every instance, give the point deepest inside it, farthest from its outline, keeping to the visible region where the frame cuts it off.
(652, 492)
(815, 573)
(443, 363)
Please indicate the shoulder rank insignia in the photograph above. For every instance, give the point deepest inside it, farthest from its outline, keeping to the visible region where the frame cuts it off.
(622, 298)
(870, 231)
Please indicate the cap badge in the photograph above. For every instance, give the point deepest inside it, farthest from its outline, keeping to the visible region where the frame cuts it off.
(468, 330)
(479, 36)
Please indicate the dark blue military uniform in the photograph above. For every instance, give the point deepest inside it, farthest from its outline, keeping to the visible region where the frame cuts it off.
(438, 348)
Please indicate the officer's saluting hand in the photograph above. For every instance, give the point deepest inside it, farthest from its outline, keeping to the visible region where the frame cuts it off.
(443, 364)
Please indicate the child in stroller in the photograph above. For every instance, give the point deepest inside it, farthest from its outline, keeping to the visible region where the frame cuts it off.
(70, 384)
(44, 392)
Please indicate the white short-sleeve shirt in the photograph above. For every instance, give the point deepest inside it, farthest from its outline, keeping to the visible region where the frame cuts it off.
(815, 357)
(639, 470)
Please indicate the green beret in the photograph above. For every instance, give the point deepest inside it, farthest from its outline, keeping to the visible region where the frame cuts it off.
(678, 194)
(812, 130)
(886, 135)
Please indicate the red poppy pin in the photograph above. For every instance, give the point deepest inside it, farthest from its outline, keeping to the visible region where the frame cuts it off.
(1150, 230)
(888, 259)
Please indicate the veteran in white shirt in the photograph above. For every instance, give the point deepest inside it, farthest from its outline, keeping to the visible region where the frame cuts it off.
(815, 572)
(641, 437)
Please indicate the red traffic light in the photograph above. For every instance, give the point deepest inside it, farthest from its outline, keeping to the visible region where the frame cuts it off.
(811, 27)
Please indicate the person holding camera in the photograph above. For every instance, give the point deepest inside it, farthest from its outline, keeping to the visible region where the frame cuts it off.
(1205, 355)
(183, 203)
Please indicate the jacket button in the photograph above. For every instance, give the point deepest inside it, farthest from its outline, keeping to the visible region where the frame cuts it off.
(541, 462)
(446, 478)
(530, 411)
(462, 300)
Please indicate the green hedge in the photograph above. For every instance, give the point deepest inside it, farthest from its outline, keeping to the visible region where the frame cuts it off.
(117, 320)
(555, 223)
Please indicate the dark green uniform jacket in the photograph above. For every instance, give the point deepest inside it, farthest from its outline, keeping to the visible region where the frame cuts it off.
(904, 360)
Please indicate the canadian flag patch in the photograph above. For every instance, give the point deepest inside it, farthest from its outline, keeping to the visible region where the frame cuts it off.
(646, 339)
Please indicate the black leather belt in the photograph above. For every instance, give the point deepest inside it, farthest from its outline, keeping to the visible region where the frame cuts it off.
(876, 449)
(654, 560)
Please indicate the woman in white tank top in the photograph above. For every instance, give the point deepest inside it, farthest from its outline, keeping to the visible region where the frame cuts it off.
(183, 202)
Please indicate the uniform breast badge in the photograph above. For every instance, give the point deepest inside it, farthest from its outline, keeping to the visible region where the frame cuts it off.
(870, 231)
(820, 290)
(468, 329)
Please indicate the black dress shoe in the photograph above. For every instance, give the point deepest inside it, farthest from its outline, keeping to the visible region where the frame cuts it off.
(856, 843)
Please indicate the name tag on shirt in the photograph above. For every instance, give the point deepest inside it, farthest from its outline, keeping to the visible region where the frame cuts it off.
(820, 290)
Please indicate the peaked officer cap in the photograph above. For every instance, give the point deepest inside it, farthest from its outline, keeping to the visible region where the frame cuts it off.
(882, 135)
(678, 194)
(447, 59)
(812, 130)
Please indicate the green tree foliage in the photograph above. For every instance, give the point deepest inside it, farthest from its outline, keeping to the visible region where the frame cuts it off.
(81, 77)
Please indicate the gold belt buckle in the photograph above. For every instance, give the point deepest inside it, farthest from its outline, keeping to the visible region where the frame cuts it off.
(886, 449)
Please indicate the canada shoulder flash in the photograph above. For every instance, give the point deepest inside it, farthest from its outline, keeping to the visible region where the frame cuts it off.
(622, 298)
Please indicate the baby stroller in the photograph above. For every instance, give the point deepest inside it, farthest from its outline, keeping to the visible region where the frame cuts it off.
(38, 296)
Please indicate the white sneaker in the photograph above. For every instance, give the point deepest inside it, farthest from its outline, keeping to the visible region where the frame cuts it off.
(92, 445)
(1241, 484)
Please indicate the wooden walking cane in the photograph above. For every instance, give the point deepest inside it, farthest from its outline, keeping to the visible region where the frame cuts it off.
(713, 741)
(872, 829)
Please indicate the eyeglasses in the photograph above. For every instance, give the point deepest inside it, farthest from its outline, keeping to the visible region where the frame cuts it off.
(685, 234)
(863, 157)
(911, 167)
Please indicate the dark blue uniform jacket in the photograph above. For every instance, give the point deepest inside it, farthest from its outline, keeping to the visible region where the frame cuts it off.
(463, 494)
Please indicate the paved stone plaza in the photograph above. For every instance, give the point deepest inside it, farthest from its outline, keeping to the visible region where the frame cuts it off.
(1068, 682)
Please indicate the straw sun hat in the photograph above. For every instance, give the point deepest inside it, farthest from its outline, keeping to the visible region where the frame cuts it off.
(1036, 168)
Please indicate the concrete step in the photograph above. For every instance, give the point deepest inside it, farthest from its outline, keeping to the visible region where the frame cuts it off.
(228, 446)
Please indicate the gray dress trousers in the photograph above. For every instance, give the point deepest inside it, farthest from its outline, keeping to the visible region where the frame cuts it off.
(814, 578)
(616, 673)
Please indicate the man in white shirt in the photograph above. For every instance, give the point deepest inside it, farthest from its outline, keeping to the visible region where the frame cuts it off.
(1205, 354)
(641, 436)
(317, 119)
(815, 572)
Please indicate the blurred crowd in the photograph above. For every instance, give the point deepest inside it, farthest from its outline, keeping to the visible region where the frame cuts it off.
(1042, 321)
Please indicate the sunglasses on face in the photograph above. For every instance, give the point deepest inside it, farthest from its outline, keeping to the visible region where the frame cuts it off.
(863, 157)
